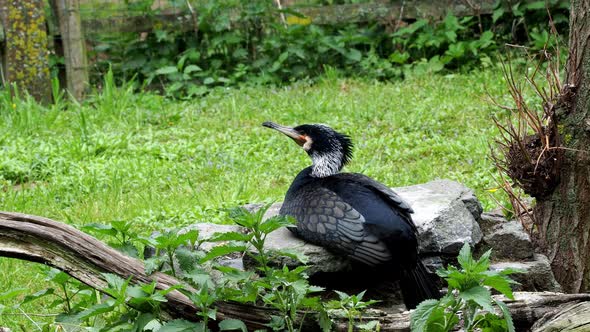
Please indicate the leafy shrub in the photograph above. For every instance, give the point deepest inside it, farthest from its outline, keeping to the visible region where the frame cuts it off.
(238, 42)
(468, 300)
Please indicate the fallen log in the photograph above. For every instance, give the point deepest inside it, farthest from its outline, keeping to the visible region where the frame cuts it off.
(42, 240)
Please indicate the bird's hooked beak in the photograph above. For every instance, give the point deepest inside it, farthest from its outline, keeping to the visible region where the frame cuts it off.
(290, 132)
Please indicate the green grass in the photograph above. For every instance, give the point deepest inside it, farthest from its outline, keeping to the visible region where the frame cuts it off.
(158, 163)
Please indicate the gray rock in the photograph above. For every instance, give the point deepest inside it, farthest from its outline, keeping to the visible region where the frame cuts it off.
(320, 259)
(537, 274)
(490, 220)
(508, 240)
(446, 215)
(272, 211)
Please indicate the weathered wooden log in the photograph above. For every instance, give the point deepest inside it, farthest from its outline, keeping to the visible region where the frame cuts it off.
(82, 256)
(568, 318)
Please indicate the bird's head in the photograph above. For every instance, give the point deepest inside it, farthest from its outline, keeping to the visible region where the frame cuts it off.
(328, 149)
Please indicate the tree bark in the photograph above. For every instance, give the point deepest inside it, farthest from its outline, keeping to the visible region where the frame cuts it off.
(563, 217)
(42, 240)
(25, 55)
(74, 46)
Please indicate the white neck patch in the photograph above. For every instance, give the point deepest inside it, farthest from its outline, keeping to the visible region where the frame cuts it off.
(326, 164)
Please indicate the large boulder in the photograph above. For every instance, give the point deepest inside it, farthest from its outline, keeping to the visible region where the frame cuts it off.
(446, 215)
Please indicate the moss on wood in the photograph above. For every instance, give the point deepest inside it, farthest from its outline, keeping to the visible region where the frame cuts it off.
(26, 53)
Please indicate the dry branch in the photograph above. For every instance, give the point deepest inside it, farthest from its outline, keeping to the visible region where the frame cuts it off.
(43, 240)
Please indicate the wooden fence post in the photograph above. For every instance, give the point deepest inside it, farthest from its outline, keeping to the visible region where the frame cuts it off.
(74, 46)
(25, 58)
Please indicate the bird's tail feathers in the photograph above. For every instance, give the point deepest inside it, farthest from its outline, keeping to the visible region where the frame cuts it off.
(417, 285)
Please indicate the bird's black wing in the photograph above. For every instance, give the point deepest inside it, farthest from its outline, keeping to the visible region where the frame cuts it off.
(387, 194)
(325, 219)
(364, 180)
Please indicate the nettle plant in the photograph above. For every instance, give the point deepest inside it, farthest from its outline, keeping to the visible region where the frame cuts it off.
(469, 303)
(126, 307)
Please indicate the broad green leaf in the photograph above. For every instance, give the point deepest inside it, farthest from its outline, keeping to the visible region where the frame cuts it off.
(229, 236)
(294, 254)
(192, 68)
(497, 14)
(144, 320)
(232, 324)
(451, 22)
(464, 257)
(167, 70)
(189, 236)
(16, 292)
(483, 263)
(506, 313)
(35, 296)
(500, 283)
(122, 226)
(114, 280)
(324, 321)
(412, 28)
(275, 223)
(126, 248)
(199, 277)
(153, 325)
(187, 259)
(59, 277)
(343, 296)
(153, 264)
(479, 295)
(181, 325)
(283, 57)
(437, 317)
(353, 55)
(222, 251)
(535, 5)
(95, 310)
(399, 57)
(419, 318)
(370, 325)
(100, 229)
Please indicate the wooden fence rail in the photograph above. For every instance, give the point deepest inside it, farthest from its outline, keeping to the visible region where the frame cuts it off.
(376, 11)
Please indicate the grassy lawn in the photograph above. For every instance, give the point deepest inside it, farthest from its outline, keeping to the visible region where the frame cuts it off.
(160, 163)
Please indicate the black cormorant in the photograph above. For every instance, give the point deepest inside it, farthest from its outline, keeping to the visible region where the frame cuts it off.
(352, 214)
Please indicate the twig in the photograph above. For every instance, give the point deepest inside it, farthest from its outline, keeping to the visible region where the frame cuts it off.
(477, 10)
(29, 318)
(401, 16)
(281, 14)
(28, 314)
(195, 19)
(517, 46)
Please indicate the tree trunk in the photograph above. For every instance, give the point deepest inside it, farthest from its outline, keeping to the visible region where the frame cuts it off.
(74, 46)
(563, 217)
(25, 57)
